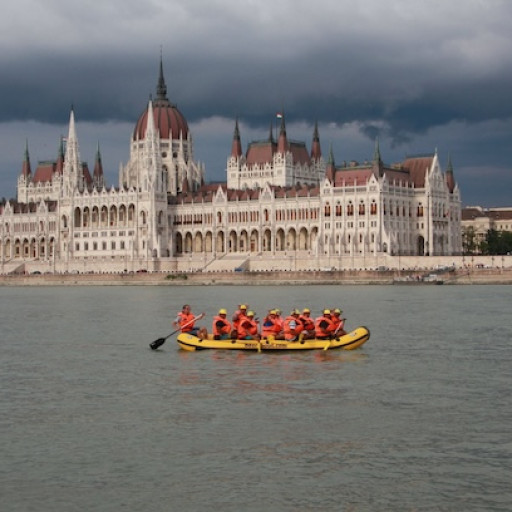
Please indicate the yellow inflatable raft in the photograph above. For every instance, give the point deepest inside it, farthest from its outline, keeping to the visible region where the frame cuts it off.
(349, 341)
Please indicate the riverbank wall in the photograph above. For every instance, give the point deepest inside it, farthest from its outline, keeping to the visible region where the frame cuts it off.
(347, 277)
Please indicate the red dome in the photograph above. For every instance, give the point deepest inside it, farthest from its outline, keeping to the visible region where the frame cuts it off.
(168, 119)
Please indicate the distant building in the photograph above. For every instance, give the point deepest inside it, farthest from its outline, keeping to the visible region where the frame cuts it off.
(281, 206)
(480, 220)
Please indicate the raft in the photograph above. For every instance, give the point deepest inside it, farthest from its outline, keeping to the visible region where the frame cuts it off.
(349, 341)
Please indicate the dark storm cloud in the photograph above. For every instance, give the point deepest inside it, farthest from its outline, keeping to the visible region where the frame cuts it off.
(400, 70)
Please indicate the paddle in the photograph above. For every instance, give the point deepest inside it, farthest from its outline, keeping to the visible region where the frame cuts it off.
(160, 341)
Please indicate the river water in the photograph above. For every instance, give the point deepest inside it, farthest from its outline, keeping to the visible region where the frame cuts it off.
(419, 418)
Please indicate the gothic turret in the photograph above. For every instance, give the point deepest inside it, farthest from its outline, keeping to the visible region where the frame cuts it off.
(450, 180)
(282, 142)
(73, 169)
(377, 160)
(236, 146)
(98, 177)
(26, 172)
(59, 165)
(316, 152)
(330, 169)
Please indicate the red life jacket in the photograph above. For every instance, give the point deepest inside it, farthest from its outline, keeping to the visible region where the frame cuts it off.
(247, 327)
(238, 317)
(270, 326)
(324, 327)
(220, 326)
(185, 318)
(338, 323)
(292, 327)
(307, 323)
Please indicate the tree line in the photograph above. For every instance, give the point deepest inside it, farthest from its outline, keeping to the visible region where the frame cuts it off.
(495, 243)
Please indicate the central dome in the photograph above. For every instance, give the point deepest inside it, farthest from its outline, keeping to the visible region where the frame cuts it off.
(169, 121)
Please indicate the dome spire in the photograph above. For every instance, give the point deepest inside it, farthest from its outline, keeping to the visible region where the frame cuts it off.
(161, 88)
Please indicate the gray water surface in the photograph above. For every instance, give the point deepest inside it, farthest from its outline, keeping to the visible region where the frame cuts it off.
(419, 418)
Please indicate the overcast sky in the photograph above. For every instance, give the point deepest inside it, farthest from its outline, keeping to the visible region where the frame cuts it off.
(419, 74)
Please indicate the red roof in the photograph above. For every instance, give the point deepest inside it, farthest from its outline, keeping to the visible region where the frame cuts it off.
(168, 120)
(262, 152)
(44, 172)
(418, 167)
(352, 176)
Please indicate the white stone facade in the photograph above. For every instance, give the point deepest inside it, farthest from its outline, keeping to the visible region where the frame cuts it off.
(288, 210)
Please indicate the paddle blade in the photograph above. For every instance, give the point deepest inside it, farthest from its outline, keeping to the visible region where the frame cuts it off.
(157, 343)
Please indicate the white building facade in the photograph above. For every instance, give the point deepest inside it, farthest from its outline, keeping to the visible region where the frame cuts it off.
(281, 207)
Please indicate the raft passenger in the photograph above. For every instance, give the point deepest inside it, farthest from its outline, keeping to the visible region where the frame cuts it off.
(338, 322)
(248, 327)
(238, 315)
(271, 328)
(308, 324)
(324, 326)
(221, 327)
(292, 326)
(185, 321)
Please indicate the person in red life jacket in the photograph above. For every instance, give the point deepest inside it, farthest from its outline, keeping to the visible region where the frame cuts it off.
(324, 326)
(238, 315)
(221, 327)
(271, 328)
(308, 324)
(280, 320)
(292, 326)
(248, 327)
(338, 321)
(185, 321)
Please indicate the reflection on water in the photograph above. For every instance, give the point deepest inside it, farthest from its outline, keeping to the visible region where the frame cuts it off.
(417, 419)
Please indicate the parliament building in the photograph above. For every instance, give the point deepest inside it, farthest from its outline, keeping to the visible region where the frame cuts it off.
(282, 206)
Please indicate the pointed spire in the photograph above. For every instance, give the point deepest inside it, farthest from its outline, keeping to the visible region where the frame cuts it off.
(25, 170)
(150, 129)
(282, 142)
(98, 178)
(450, 179)
(316, 151)
(330, 169)
(72, 165)
(60, 157)
(161, 88)
(331, 156)
(271, 135)
(236, 146)
(376, 153)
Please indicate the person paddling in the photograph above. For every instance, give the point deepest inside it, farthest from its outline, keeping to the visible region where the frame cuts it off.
(185, 321)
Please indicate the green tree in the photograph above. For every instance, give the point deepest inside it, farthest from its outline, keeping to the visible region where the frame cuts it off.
(497, 242)
(469, 242)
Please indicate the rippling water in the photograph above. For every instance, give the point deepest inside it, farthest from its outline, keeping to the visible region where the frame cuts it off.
(419, 418)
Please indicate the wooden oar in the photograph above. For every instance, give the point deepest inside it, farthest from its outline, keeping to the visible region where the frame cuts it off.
(160, 341)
